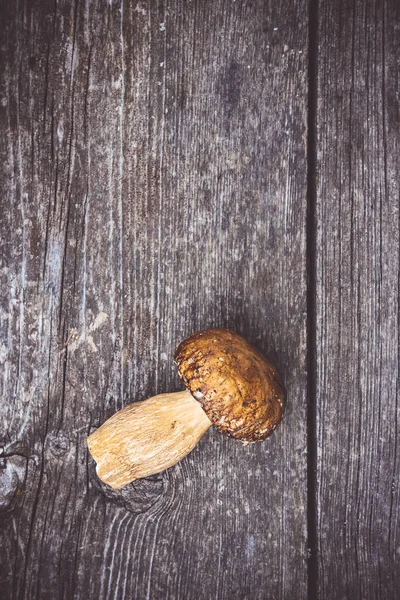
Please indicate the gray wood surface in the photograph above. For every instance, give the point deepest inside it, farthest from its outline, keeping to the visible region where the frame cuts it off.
(153, 172)
(357, 276)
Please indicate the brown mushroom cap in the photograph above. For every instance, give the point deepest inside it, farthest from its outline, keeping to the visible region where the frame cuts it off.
(239, 389)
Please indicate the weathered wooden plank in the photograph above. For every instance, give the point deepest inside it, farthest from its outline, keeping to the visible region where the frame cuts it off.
(357, 300)
(154, 171)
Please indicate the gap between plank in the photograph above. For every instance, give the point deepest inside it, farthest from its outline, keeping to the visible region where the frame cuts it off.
(312, 563)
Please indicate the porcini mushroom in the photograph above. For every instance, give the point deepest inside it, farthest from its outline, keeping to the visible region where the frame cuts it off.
(230, 384)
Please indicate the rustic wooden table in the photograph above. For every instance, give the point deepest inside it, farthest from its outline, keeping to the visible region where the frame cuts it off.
(169, 166)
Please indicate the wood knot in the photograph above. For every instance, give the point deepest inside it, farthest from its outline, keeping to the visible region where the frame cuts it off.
(137, 497)
(58, 444)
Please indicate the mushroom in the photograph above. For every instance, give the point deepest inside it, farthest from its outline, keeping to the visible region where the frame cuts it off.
(230, 384)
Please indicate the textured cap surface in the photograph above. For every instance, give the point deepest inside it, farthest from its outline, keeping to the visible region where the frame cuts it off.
(239, 389)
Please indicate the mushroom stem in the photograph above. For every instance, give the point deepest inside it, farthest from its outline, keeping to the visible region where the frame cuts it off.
(147, 437)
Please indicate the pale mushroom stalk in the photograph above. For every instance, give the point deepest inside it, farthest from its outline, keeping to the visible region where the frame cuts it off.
(230, 384)
(147, 437)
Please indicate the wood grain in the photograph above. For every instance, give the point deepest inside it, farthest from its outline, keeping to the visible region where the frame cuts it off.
(154, 183)
(358, 300)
